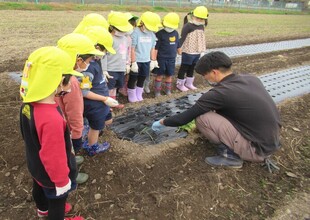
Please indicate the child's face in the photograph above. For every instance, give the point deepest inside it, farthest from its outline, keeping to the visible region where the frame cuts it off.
(64, 87)
(198, 19)
(82, 65)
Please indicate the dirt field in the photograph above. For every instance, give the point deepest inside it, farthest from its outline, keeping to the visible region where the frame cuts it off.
(170, 180)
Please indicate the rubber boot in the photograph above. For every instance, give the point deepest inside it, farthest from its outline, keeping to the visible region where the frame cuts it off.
(168, 88)
(81, 178)
(146, 85)
(157, 88)
(189, 83)
(180, 85)
(139, 92)
(132, 95)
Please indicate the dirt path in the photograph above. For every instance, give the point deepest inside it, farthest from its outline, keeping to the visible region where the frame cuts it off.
(171, 181)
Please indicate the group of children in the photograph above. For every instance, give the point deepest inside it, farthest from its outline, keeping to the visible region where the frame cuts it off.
(78, 80)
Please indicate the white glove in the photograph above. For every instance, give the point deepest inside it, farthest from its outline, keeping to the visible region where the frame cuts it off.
(127, 69)
(153, 64)
(64, 189)
(178, 59)
(111, 102)
(106, 76)
(134, 67)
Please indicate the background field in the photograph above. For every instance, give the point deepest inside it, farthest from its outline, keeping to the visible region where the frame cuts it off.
(24, 31)
(170, 180)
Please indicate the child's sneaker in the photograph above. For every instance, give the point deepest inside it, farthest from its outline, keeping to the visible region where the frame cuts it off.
(75, 218)
(96, 148)
(42, 214)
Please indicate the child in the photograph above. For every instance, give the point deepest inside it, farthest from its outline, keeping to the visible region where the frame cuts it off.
(143, 57)
(133, 21)
(115, 64)
(167, 46)
(95, 91)
(92, 19)
(82, 49)
(193, 43)
(147, 82)
(45, 132)
(103, 41)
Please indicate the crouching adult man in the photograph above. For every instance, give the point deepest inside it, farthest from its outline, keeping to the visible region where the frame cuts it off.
(237, 114)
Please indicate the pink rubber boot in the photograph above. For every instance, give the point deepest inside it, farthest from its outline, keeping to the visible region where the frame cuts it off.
(180, 85)
(189, 83)
(132, 95)
(139, 93)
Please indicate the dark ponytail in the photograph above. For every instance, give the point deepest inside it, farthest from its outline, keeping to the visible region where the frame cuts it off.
(186, 17)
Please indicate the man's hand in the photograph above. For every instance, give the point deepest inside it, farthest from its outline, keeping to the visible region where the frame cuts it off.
(153, 64)
(111, 102)
(134, 67)
(106, 76)
(64, 189)
(157, 126)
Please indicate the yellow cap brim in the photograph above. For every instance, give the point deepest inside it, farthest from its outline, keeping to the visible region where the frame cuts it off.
(126, 28)
(111, 50)
(95, 52)
(170, 25)
(152, 28)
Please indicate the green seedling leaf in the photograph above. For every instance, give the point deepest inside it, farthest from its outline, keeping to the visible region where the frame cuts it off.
(187, 127)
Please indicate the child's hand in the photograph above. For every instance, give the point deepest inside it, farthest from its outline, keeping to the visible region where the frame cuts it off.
(106, 76)
(134, 67)
(127, 69)
(111, 102)
(153, 64)
(64, 189)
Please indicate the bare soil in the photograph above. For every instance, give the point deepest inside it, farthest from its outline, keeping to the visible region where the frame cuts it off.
(171, 180)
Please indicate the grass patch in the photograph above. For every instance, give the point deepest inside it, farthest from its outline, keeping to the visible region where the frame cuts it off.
(45, 7)
(133, 8)
(12, 5)
(223, 33)
(158, 8)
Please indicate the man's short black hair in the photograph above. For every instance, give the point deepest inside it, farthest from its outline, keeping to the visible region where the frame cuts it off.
(213, 60)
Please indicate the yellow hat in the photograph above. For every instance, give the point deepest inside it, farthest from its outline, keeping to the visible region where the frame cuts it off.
(101, 36)
(171, 20)
(92, 19)
(120, 21)
(77, 44)
(43, 72)
(150, 21)
(201, 12)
